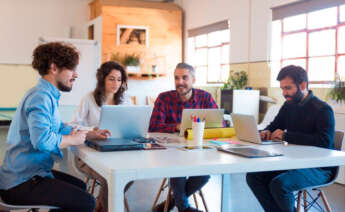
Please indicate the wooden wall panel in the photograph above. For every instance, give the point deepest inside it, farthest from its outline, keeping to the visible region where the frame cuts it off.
(165, 35)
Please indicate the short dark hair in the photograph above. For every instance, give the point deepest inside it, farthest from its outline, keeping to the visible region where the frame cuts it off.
(63, 55)
(102, 73)
(296, 73)
(186, 66)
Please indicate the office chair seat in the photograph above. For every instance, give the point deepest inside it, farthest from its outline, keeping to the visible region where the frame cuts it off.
(338, 142)
(4, 207)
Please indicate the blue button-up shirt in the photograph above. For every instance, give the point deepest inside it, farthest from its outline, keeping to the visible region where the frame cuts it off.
(34, 137)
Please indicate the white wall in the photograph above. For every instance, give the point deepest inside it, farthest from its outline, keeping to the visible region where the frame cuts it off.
(23, 21)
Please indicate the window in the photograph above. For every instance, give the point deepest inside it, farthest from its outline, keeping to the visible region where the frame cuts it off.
(209, 52)
(314, 40)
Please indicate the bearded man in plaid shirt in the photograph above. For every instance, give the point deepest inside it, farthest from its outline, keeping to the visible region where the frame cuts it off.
(166, 118)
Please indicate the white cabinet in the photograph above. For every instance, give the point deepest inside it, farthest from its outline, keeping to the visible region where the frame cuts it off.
(340, 125)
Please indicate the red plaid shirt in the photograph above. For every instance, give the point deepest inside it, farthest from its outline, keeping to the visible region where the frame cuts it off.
(167, 112)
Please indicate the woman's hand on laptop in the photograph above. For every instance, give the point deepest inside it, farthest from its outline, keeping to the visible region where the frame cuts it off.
(277, 135)
(97, 134)
(265, 135)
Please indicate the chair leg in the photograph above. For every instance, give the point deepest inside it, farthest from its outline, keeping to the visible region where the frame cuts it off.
(203, 200)
(167, 200)
(299, 201)
(305, 202)
(126, 204)
(196, 201)
(87, 180)
(161, 188)
(93, 186)
(325, 202)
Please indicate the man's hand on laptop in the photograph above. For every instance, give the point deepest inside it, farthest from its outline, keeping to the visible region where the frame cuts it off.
(97, 134)
(277, 135)
(76, 137)
(265, 135)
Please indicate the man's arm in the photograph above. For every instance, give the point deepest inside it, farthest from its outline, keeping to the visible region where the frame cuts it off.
(324, 135)
(158, 118)
(43, 134)
(278, 122)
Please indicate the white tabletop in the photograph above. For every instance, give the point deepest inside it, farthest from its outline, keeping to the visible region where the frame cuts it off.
(121, 167)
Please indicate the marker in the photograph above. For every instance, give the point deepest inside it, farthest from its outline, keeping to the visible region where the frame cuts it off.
(194, 120)
(198, 120)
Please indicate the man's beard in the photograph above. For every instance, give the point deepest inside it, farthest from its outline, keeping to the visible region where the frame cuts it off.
(63, 87)
(184, 93)
(297, 97)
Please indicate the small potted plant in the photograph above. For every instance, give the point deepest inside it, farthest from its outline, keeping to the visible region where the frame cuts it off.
(132, 61)
(237, 80)
(337, 93)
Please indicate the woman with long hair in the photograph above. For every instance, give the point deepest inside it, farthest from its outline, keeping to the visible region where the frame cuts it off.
(111, 85)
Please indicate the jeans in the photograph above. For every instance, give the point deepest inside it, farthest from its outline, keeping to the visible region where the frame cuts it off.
(274, 189)
(182, 188)
(65, 191)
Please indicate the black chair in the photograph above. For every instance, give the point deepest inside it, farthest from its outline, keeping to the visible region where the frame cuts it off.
(307, 204)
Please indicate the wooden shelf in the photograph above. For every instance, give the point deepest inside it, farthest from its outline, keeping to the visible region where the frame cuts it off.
(144, 75)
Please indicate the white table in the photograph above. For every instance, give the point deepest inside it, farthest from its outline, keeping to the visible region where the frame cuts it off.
(118, 168)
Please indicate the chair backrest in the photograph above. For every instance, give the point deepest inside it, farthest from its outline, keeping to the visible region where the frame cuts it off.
(150, 100)
(338, 142)
(134, 100)
(338, 139)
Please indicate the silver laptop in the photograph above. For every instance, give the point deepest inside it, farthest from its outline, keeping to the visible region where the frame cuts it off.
(247, 130)
(213, 118)
(125, 121)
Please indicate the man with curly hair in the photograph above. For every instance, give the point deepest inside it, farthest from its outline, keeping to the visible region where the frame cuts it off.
(37, 135)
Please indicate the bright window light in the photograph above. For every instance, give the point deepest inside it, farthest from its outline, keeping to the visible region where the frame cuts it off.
(322, 18)
(295, 23)
(322, 43)
(294, 45)
(321, 69)
(342, 13)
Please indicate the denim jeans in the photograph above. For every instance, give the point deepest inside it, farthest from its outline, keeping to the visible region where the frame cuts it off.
(274, 189)
(183, 188)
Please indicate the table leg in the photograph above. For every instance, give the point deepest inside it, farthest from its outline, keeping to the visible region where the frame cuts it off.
(225, 204)
(116, 193)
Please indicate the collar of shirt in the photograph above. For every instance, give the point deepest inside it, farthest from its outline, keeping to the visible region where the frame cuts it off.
(42, 83)
(307, 99)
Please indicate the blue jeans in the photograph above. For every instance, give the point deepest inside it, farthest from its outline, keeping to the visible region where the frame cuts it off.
(183, 188)
(274, 190)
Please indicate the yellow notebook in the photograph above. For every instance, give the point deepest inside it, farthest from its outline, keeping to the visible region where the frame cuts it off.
(212, 133)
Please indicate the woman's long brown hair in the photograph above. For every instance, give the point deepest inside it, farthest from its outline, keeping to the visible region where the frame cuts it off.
(102, 73)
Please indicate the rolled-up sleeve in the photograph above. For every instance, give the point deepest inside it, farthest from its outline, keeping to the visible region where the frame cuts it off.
(44, 134)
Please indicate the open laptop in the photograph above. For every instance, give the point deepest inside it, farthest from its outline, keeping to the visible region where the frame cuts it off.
(247, 130)
(126, 124)
(213, 118)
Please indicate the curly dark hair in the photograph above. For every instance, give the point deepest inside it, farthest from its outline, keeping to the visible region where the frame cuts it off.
(102, 73)
(296, 73)
(63, 55)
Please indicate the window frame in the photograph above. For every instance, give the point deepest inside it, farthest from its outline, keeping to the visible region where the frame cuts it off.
(336, 54)
(207, 47)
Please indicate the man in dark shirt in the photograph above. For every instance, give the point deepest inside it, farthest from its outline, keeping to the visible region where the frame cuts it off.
(303, 119)
(166, 117)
